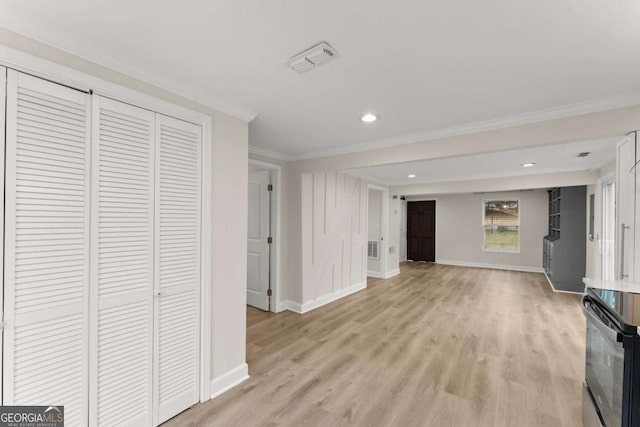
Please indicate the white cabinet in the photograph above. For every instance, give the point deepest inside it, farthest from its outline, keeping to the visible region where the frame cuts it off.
(628, 199)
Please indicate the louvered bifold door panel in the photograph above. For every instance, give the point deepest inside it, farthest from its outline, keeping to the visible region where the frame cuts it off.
(177, 271)
(46, 246)
(122, 264)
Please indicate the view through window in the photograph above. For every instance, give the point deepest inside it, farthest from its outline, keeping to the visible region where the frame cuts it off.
(501, 222)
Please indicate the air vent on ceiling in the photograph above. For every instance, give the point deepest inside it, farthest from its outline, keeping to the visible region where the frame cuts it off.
(312, 57)
(583, 154)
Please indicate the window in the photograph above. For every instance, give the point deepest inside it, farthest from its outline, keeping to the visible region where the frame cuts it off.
(501, 224)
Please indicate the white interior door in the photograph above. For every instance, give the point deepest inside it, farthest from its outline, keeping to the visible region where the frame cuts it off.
(626, 209)
(257, 243)
(46, 283)
(122, 264)
(177, 266)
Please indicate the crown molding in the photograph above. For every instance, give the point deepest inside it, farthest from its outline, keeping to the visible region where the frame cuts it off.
(187, 91)
(265, 152)
(565, 111)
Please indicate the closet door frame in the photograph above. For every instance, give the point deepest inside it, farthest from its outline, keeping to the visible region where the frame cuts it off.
(38, 67)
(3, 112)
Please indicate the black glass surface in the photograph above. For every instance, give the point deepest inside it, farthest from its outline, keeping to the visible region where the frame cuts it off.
(624, 307)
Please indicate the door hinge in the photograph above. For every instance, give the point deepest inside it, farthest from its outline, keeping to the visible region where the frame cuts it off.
(269, 240)
(269, 187)
(269, 292)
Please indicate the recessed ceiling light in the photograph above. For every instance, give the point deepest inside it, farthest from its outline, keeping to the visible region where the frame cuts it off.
(528, 165)
(412, 175)
(368, 118)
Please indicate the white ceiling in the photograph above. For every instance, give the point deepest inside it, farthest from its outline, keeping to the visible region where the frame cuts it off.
(421, 66)
(548, 159)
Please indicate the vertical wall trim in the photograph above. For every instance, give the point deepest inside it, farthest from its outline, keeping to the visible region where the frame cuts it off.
(206, 286)
(342, 266)
(313, 218)
(324, 223)
(335, 244)
(336, 191)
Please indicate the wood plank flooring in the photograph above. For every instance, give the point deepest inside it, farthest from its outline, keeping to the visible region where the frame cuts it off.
(435, 346)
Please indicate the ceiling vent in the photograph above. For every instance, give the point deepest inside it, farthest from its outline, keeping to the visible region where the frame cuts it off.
(312, 57)
(583, 154)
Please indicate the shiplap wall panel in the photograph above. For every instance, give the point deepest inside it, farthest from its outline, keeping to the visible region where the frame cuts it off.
(177, 265)
(46, 246)
(333, 233)
(122, 264)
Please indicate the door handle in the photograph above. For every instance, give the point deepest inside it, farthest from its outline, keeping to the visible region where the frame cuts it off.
(623, 228)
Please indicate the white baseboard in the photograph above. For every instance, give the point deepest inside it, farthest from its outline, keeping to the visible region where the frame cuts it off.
(392, 273)
(229, 380)
(378, 275)
(281, 306)
(494, 266)
(553, 288)
(291, 306)
(325, 299)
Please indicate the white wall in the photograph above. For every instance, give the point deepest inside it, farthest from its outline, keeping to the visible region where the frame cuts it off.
(229, 213)
(460, 235)
(334, 234)
(374, 219)
(229, 251)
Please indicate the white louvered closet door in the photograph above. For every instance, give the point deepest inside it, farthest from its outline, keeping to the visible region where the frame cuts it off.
(46, 246)
(177, 266)
(122, 264)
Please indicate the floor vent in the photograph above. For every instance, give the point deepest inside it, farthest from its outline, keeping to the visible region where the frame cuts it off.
(312, 57)
(372, 249)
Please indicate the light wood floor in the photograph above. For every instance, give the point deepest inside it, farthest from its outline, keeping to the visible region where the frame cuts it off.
(435, 346)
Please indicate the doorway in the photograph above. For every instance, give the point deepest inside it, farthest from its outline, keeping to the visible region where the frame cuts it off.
(377, 226)
(263, 236)
(421, 231)
(608, 243)
(403, 230)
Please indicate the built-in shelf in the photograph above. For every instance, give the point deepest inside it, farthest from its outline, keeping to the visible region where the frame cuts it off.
(564, 248)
